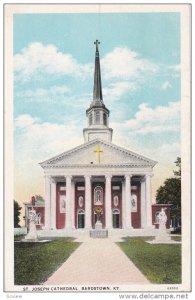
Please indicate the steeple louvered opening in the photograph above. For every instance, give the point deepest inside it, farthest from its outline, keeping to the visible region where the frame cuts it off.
(97, 117)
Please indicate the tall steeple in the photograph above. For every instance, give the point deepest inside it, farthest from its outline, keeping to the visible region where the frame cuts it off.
(97, 113)
(97, 87)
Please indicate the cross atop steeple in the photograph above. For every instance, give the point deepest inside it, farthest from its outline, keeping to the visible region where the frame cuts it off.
(97, 43)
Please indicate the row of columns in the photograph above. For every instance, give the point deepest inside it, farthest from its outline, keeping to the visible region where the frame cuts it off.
(50, 203)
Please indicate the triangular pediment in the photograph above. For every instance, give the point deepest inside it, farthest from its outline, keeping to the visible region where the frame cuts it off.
(86, 154)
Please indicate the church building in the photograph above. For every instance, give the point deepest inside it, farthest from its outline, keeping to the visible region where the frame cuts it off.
(97, 177)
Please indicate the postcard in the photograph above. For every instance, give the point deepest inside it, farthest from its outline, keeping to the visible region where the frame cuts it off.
(97, 114)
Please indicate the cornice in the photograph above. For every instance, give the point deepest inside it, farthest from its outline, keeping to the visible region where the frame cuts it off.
(95, 166)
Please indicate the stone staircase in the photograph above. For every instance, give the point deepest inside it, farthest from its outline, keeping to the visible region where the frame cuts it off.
(114, 234)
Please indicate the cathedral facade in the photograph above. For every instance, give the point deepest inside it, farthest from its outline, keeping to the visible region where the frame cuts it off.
(98, 177)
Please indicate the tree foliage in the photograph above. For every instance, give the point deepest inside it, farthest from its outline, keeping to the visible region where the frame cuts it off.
(170, 192)
(39, 198)
(17, 212)
(177, 173)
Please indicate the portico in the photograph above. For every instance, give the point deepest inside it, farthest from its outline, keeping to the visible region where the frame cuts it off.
(124, 199)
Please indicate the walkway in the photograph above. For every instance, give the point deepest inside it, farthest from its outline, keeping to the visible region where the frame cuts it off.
(97, 261)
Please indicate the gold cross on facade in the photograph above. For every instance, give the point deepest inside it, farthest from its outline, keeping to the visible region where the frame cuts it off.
(96, 43)
(98, 150)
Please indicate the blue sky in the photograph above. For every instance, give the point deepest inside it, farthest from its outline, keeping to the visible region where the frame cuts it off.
(54, 64)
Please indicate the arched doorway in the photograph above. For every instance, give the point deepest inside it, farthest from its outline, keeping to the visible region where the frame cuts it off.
(80, 218)
(115, 218)
(96, 216)
(98, 202)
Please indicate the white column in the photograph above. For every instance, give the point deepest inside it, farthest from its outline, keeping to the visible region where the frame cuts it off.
(53, 204)
(148, 201)
(143, 202)
(108, 202)
(47, 202)
(72, 204)
(123, 206)
(87, 202)
(128, 201)
(68, 202)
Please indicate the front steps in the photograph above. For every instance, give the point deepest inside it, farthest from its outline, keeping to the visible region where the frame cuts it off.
(112, 233)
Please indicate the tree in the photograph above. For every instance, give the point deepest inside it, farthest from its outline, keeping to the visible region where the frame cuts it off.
(178, 164)
(17, 212)
(170, 192)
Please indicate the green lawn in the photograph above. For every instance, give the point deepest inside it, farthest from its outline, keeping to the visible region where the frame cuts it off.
(35, 262)
(160, 263)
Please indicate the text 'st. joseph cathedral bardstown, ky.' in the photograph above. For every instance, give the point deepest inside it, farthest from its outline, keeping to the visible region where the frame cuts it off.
(97, 174)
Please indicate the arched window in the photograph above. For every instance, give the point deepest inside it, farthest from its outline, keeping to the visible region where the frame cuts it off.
(97, 117)
(90, 119)
(116, 211)
(98, 195)
(105, 119)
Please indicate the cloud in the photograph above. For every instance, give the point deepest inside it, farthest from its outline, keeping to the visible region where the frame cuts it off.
(36, 141)
(40, 92)
(173, 71)
(115, 90)
(175, 68)
(125, 64)
(155, 120)
(25, 121)
(72, 103)
(52, 94)
(166, 85)
(164, 153)
(38, 59)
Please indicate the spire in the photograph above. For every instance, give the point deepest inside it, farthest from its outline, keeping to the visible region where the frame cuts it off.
(97, 88)
(97, 114)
